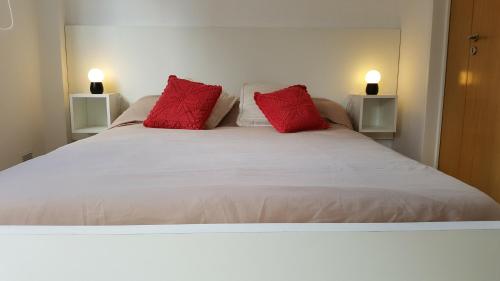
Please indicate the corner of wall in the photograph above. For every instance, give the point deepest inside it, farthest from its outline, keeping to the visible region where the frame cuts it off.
(20, 109)
(421, 78)
(54, 89)
(416, 27)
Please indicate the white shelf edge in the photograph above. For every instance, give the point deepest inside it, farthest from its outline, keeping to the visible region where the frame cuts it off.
(379, 96)
(90, 130)
(376, 130)
(89, 95)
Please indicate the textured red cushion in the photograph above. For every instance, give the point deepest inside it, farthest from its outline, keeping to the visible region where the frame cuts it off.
(183, 105)
(290, 110)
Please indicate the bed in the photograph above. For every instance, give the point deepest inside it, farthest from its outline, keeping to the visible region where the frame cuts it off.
(132, 175)
(82, 211)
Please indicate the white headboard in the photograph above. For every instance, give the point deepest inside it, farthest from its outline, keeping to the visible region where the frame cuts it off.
(137, 60)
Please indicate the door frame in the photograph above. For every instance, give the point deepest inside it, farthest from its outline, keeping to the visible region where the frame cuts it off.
(441, 82)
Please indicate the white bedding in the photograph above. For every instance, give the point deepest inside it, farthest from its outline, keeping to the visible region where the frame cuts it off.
(133, 175)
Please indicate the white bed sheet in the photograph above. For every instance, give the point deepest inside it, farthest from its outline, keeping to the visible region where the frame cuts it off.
(133, 175)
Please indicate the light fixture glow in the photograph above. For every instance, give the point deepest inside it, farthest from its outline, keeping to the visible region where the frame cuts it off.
(373, 77)
(96, 75)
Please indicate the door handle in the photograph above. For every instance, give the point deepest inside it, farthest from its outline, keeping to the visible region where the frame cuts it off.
(473, 50)
(474, 37)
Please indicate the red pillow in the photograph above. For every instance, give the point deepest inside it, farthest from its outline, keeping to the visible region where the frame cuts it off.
(183, 105)
(291, 110)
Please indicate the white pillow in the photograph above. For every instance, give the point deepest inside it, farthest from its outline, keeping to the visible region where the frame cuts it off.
(224, 104)
(250, 114)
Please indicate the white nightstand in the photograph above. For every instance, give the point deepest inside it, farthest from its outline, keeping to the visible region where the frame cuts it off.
(374, 115)
(91, 114)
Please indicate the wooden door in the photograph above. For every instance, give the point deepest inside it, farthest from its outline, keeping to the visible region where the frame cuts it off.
(470, 137)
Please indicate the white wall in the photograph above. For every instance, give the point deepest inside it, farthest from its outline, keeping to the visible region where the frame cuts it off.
(263, 13)
(33, 108)
(53, 85)
(330, 67)
(424, 25)
(416, 26)
(20, 105)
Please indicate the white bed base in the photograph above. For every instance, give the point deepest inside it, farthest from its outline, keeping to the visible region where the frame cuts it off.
(396, 251)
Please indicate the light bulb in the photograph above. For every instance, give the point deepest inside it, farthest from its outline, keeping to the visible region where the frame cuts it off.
(373, 77)
(96, 75)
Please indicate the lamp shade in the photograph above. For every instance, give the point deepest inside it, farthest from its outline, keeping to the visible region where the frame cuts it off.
(96, 75)
(373, 77)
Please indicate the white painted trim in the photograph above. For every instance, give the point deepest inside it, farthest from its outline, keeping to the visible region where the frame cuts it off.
(247, 228)
(443, 85)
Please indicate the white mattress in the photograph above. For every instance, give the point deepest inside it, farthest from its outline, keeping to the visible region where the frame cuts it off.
(133, 175)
